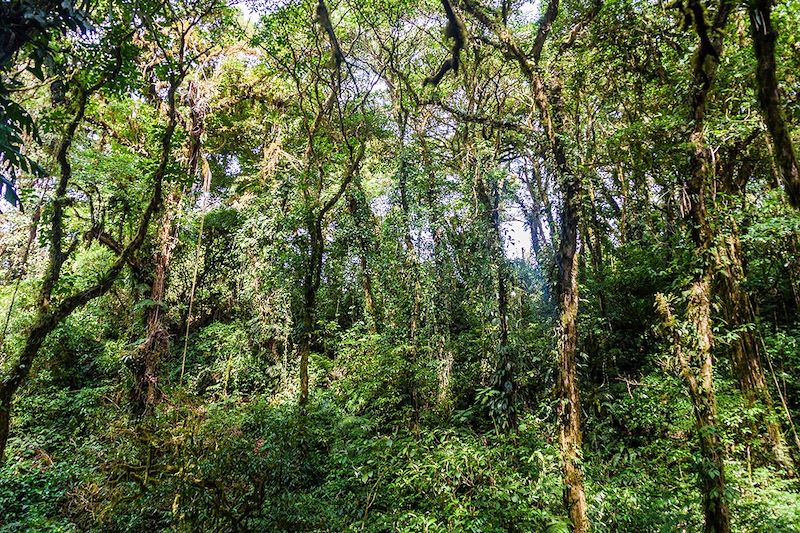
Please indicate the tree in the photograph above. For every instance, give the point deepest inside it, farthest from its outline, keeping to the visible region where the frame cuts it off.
(51, 312)
(549, 103)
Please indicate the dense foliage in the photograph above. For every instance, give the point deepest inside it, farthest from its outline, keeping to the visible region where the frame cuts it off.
(399, 265)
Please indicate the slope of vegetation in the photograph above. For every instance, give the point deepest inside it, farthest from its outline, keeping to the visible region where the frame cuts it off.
(399, 265)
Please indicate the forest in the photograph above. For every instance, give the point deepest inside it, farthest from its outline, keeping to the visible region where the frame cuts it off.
(400, 265)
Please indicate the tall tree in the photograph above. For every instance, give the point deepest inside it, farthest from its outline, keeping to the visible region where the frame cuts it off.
(547, 97)
(698, 370)
(49, 313)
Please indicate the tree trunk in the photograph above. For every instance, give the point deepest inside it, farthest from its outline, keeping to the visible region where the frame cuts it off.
(362, 218)
(764, 37)
(570, 436)
(569, 409)
(544, 197)
(442, 292)
(699, 374)
(542, 250)
(697, 371)
(745, 352)
(304, 348)
(49, 314)
(712, 474)
(594, 231)
(144, 392)
(700, 379)
(311, 282)
(315, 218)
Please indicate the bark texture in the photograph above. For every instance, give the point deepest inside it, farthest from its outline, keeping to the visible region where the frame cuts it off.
(769, 98)
(745, 352)
(697, 366)
(144, 393)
